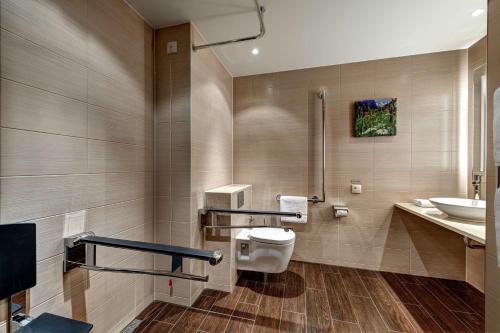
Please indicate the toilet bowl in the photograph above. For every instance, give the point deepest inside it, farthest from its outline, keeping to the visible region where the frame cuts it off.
(265, 250)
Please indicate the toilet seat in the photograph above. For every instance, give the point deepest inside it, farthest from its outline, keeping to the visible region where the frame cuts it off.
(276, 236)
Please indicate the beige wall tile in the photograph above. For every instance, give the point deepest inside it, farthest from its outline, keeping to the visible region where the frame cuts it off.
(109, 125)
(31, 153)
(58, 25)
(25, 198)
(29, 108)
(28, 63)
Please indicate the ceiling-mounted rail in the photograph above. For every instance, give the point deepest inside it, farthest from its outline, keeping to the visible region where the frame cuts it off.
(260, 13)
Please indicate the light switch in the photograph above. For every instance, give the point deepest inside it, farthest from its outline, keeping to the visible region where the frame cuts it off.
(172, 47)
(356, 188)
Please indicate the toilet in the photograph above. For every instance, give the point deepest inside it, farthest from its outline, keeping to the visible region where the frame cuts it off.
(265, 250)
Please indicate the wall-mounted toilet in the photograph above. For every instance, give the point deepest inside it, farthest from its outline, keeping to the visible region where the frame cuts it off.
(265, 250)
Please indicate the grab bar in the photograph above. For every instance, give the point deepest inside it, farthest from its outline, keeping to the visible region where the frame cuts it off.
(80, 251)
(204, 212)
(260, 12)
(315, 199)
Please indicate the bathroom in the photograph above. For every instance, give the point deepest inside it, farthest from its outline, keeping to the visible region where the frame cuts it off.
(203, 166)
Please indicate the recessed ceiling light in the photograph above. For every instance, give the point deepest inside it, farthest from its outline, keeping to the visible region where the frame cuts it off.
(255, 51)
(477, 12)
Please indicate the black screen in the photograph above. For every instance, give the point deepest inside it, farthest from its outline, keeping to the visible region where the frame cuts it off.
(17, 258)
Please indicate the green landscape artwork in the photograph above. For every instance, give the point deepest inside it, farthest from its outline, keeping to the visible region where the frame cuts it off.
(375, 117)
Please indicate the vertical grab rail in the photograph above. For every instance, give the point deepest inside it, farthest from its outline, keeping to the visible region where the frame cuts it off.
(315, 199)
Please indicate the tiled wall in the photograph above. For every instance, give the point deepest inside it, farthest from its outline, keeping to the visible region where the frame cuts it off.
(475, 259)
(193, 147)
(492, 270)
(173, 154)
(76, 145)
(211, 135)
(276, 149)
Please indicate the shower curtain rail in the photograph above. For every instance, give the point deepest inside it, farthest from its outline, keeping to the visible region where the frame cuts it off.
(260, 13)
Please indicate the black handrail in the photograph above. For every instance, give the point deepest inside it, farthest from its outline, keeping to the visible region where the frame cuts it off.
(213, 257)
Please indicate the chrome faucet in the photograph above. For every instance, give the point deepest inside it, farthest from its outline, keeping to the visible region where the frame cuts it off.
(476, 184)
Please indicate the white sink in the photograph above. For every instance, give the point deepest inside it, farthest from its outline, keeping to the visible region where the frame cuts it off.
(467, 209)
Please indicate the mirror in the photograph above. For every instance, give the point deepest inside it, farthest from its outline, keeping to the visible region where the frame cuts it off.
(479, 120)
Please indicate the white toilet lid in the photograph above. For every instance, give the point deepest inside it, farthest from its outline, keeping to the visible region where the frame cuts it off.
(272, 235)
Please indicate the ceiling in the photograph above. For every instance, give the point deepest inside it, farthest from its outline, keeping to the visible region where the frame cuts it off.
(311, 33)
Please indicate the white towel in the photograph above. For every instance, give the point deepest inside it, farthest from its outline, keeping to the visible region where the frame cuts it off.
(424, 203)
(293, 204)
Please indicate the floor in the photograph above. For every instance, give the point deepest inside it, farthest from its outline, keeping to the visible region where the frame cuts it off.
(321, 298)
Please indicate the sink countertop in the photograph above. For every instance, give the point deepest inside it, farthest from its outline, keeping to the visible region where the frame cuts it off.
(474, 230)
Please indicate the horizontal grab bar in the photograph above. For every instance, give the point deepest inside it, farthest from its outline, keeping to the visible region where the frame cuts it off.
(249, 212)
(143, 271)
(213, 257)
(247, 226)
(314, 199)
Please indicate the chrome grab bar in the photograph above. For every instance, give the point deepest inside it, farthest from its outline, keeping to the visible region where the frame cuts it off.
(80, 251)
(260, 12)
(204, 212)
(246, 226)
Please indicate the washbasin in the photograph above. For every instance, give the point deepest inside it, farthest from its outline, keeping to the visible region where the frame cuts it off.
(467, 209)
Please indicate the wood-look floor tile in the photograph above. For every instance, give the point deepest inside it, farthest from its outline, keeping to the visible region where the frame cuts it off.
(252, 292)
(471, 296)
(421, 319)
(338, 298)
(397, 289)
(292, 322)
(368, 316)
(345, 327)
(330, 269)
(447, 297)
(247, 311)
(204, 302)
(226, 302)
(150, 310)
(317, 311)
(390, 311)
(314, 276)
(189, 322)
(170, 313)
(353, 282)
(239, 325)
(214, 323)
(294, 297)
(406, 278)
(473, 321)
(444, 317)
(157, 327)
(269, 313)
(366, 273)
(211, 293)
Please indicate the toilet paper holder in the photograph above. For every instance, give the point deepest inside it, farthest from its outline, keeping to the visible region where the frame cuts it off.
(340, 210)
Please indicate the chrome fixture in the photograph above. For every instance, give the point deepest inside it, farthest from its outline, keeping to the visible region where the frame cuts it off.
(213, 212)
(260, 13)
(80, 251)
(469, 243)
(315, 199)
(476, 184)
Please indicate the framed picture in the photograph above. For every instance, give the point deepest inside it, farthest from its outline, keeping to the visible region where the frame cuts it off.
(375, 117)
